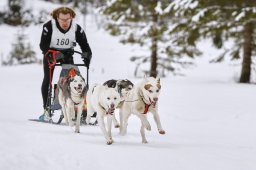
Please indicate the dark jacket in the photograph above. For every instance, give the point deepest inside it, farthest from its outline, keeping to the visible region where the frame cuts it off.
(46, 37)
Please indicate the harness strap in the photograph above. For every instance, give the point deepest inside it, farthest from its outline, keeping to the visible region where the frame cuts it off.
(146, 108)
(146, 105)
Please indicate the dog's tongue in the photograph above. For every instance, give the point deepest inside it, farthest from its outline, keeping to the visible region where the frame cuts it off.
(111, 111)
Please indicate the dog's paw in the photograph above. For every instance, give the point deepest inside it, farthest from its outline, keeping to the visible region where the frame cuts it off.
(144, 141)
(109, 142)
(162, 132)
(77, 130)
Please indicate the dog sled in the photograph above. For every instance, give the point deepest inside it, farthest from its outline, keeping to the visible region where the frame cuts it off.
(53, 104)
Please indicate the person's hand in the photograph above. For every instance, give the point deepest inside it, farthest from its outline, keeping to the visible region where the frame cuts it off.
(86, 58)
(68, 52)
(59, 57)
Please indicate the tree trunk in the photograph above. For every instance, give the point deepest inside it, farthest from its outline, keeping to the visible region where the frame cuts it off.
(247, 53)
(153, 69)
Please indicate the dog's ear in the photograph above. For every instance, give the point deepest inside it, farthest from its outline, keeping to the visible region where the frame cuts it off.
(158, 80)
(147, 86)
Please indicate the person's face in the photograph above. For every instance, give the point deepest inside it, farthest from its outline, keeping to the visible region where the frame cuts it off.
(64, 20)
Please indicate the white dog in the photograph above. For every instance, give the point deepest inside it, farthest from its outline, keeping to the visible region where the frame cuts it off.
(103, 100)
(141, 99)
(71, 98)
(122, 86)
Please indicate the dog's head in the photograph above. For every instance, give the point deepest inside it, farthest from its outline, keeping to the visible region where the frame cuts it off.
(151, 90)
(124, 86)
(111, 98)
(77, 84)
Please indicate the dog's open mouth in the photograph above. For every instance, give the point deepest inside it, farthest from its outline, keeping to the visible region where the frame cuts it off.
(153, 102)
(111, 111)
(79, 89)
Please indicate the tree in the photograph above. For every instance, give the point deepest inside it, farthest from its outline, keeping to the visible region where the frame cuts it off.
(222, 21)
(14, 16)
(148, 23)
(22, 52)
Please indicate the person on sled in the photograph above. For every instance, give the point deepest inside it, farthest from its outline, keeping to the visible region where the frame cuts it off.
(61, 33)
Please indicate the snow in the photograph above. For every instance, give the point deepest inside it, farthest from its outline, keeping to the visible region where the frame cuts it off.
(209, 118)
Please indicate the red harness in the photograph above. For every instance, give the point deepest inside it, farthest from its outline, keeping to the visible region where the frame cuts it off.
(146, 108)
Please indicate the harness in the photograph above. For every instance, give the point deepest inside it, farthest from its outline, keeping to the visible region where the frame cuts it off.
(146, 105)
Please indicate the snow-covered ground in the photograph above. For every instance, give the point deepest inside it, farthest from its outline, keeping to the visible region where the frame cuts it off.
(209, 119)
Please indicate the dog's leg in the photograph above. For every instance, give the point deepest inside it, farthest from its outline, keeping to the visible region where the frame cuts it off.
(125, 118)
(78, 118)
(69, 112)
(90, 112)
(63, 105)
(117, 125)
(100, 118)
(157, 120)
(144, 120)
(142, 132)
(121, 119)
(109, 121)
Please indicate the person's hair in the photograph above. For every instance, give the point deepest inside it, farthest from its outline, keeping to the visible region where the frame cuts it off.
(64, 10)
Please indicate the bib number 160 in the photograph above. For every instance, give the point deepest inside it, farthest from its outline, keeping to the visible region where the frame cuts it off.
(62, 41)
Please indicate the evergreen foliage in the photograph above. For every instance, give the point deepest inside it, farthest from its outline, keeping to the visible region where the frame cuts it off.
(222, 21)
(148, 23)
(21, 53)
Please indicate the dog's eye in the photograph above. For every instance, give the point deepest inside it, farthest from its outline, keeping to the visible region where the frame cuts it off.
(114, 98)
(157, 91)
(108, 98)
(150, 91)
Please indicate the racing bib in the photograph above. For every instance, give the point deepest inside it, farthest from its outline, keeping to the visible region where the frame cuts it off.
(60, 40)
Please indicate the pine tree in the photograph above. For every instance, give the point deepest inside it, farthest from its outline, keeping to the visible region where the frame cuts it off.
(147, 23)
(14, 15)
(221, 21)
(22, 52)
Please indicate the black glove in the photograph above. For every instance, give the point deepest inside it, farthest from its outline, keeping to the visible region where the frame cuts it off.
(86, 58)
(67, 52)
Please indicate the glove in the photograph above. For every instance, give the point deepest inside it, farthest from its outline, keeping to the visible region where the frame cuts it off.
(86, 58)
(67, 52)
(60, 57)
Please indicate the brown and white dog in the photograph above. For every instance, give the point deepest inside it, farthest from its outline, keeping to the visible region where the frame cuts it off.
(72, 89)
(140, 100)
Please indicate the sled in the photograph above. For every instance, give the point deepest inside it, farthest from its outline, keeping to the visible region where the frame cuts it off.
(52, 99)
